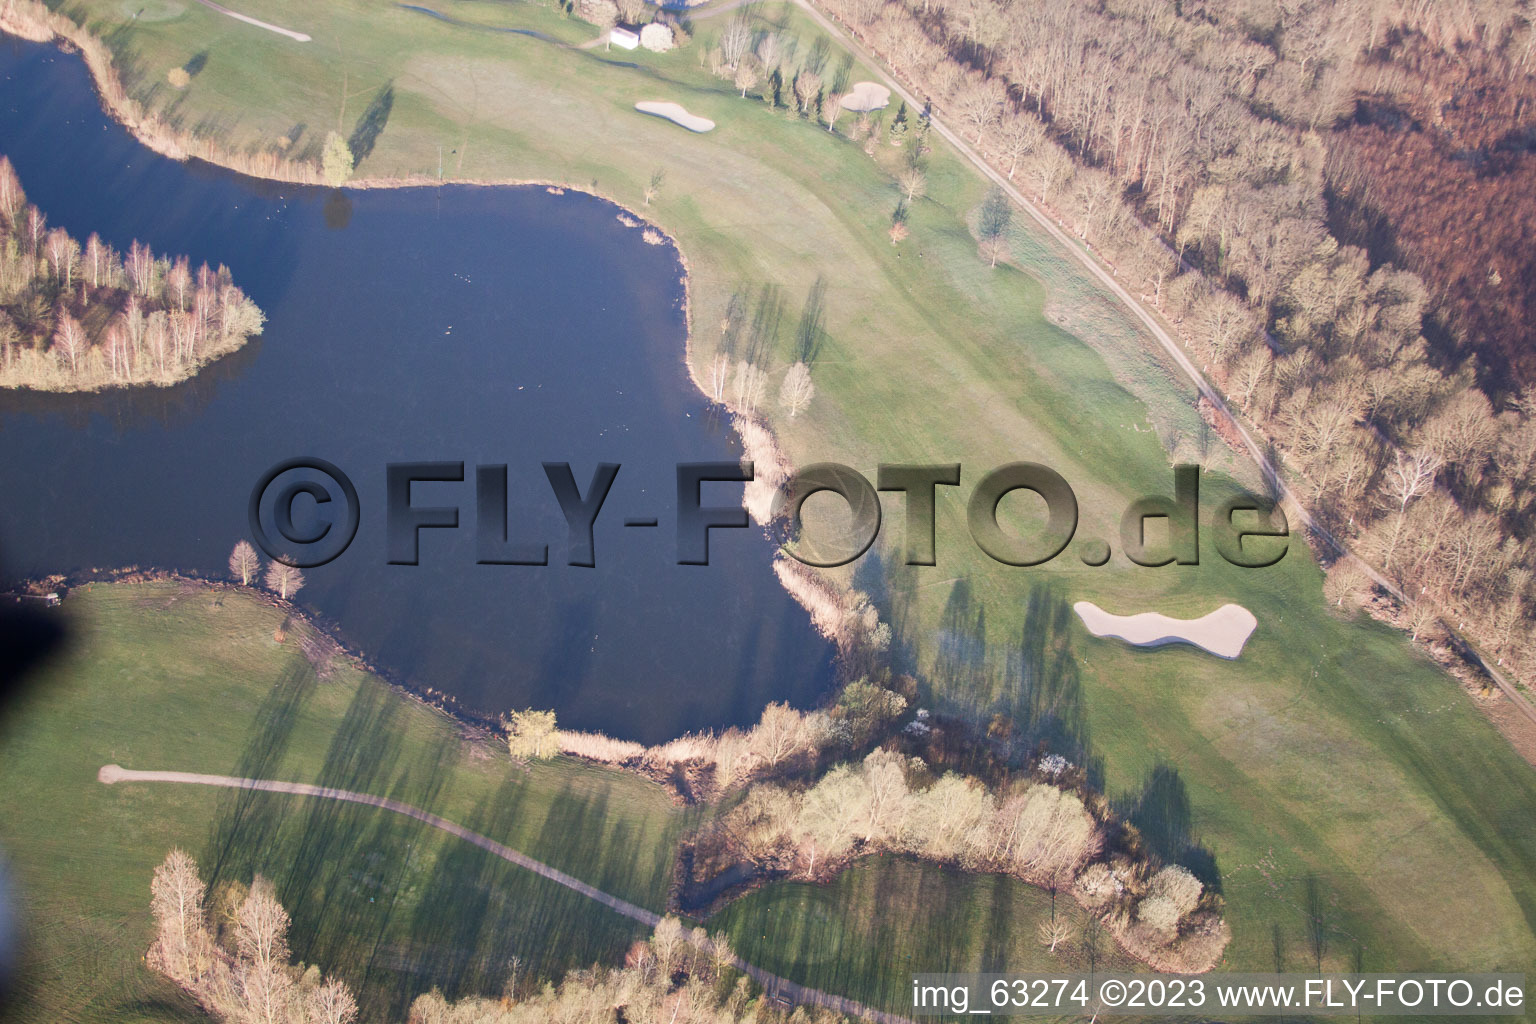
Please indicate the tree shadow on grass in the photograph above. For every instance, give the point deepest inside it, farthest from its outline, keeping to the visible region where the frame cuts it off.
(371, 124)
(1046, 700)
(480, 920)
(960, 674)
(1163, 815)
(929, 919)
(247, 819)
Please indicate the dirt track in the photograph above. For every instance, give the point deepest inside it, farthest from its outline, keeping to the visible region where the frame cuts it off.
(112, 774)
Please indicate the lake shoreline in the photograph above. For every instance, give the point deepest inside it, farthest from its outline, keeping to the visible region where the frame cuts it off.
(815, 593)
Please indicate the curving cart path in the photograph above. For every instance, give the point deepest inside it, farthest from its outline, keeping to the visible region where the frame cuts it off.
(775, 986)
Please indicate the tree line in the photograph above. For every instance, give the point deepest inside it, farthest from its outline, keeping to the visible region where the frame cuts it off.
(1039, 829)
(235, 964)
(80, 317)
(232, 957)
(1183, 143)
(281, 578)
(822, 788)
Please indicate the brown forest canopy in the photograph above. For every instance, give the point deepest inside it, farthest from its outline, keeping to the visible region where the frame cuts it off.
(1353, 296)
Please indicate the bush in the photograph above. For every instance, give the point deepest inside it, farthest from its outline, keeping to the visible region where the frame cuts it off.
(531, 734)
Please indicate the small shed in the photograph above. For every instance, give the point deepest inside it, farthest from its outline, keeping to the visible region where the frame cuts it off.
(657, 37)
(623, 38)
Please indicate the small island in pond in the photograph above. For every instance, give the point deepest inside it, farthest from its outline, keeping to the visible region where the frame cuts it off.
(83, 317)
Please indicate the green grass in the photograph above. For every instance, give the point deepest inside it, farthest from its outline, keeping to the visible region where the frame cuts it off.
(1328, 749)
(161, 676)
(932, 921)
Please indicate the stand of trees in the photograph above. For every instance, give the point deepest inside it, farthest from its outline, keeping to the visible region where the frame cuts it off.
(1188, 144)
(677, 975)
(242, 975)
(79, 317)
(247, 976)
(245, 565)
(1038, 831)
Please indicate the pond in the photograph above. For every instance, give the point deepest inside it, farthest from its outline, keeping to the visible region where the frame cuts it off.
(478, 325)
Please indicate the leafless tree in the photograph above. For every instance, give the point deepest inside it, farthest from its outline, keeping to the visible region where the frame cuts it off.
(1422, 619)
(1344, 580)
(797, 390)
(181, 947)
(778, 734)
(831, 109)
(736, 39)
(722, 957)
(331, 1002)
(11, 196)
(668, 941)
(284, 579)
(1020, 134)
(770, 50)
(807, 88)
(747, 76)
(69, 336)
(244, 562)
(261, 926)
(1410, 476)
(36, 225)
(913, 183)
(1054, 931)
(95, 258)
(980, 104)
(749, 386)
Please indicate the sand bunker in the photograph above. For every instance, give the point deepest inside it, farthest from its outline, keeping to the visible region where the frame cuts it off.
(1223, 632)
(675, 113)
(866, 96)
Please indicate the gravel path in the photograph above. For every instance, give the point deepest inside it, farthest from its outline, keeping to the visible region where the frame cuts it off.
(775, 986)
(290, 33)
(1165, 340)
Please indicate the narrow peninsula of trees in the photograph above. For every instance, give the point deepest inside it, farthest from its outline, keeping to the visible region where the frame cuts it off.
(79, 317)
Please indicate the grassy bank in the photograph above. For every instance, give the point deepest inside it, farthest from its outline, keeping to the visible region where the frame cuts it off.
(162, 675)
(1330, 751)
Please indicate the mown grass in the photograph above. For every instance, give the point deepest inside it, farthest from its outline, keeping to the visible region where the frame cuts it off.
(161, 676)
(1328, 750)
(932, 921)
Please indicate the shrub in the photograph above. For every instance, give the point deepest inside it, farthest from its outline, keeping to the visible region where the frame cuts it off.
(531, 734)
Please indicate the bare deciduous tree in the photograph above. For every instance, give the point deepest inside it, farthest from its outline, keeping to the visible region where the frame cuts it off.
(1054, 931)
(807, 89)
(913, 184)
(69, 337)
(736, 39)
(261, 926)
(284, 579)
(331, 1002)
(747, 76)
(244, 562)
(177, 901)
(797, 390)
(1410, 476)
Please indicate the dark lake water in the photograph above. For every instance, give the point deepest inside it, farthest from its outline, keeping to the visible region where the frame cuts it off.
(502, 325)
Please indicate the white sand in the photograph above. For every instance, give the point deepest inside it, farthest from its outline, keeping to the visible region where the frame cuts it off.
(1223, 632)
(866, 96)
(675, 113)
